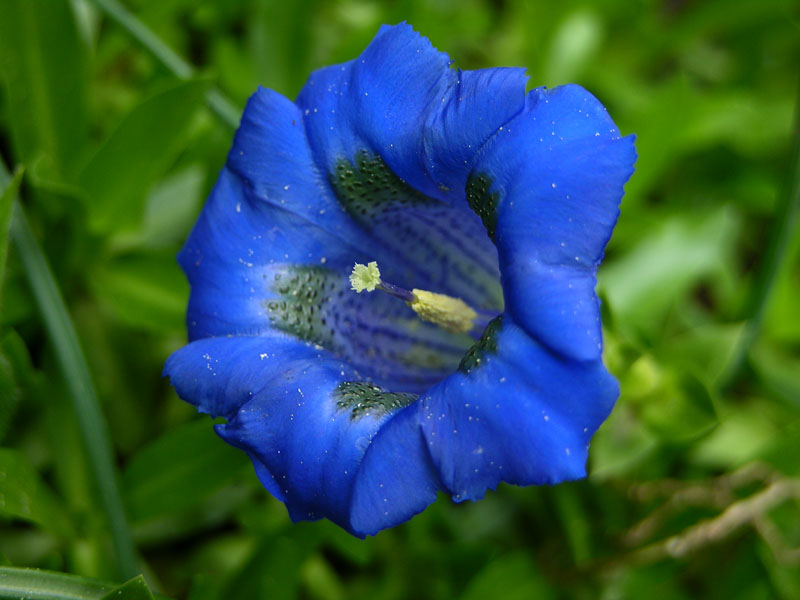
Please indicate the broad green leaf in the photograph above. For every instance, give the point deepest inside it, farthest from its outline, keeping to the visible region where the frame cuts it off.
(779, 370)
(680, 410)
(656, 273)
(575, 41)
(273, 570)
(7, 196)
(141, 148)
(173, 206)
(575, 527)
(144, 290)
(179, 470)
(510, 577)
(23, 495)
(784, 577)
(673, 403)
(621, 445)
(321, 579)
(781, 322)
(704, 351)
(742, 435)
(44, 67)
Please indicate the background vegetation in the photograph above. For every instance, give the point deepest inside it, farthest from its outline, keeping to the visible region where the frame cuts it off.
(695, 480)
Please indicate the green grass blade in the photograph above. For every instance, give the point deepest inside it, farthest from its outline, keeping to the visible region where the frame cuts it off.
(45, 69)
(69, 354)
(218, 102)
(34, 584)
(787, 214)
(8, 191)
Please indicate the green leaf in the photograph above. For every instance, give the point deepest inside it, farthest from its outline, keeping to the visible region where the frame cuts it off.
(44, 67)
(781, 322)
(510, 577)
(6, 206)
(179, 470)
(742, 435)
(621, 444)
(681, 410)
(23, 495)
(35, 584)
(142, 147)
(778, 369)
(575, 527)
(9, 396)
(674, 404)
(134, 589)
(170, 211)
(705, 351)
(16, 371)
(144, 290)
(575, 42)
(644, 283)
(75, 371)
(273, 571)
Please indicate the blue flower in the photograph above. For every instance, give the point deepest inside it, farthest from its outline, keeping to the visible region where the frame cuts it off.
(350, 406)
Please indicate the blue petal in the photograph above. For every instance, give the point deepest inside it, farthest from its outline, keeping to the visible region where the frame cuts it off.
(269, 206)
(558, 171)
(229, 255)
(219, 375)
(378, 102)
(320, 458)
(273, 159)
(401, 100)
(467, 117)
(397, 478)
(521, 415)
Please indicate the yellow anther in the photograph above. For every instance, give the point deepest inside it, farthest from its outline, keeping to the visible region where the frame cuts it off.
(452, 314)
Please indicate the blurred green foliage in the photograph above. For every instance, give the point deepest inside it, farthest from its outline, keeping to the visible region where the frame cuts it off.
(118, 156)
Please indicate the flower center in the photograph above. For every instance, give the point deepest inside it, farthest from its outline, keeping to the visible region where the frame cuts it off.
(441, 245)
(451, 314)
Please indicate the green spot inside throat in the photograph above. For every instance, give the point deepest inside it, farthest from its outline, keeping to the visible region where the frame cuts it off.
(482, 202)
(367, 188)
(363, 399)
(477, 355)
(302, 309)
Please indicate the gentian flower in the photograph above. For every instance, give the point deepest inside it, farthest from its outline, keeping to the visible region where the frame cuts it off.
(457, 184)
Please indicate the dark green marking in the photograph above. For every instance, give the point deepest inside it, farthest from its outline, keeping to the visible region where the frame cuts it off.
(368, 188)
(363, 399)
(482, 202)
(486, 345)
(302, 308)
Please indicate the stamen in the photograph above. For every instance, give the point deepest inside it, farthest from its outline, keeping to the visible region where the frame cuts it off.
(452, 314)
